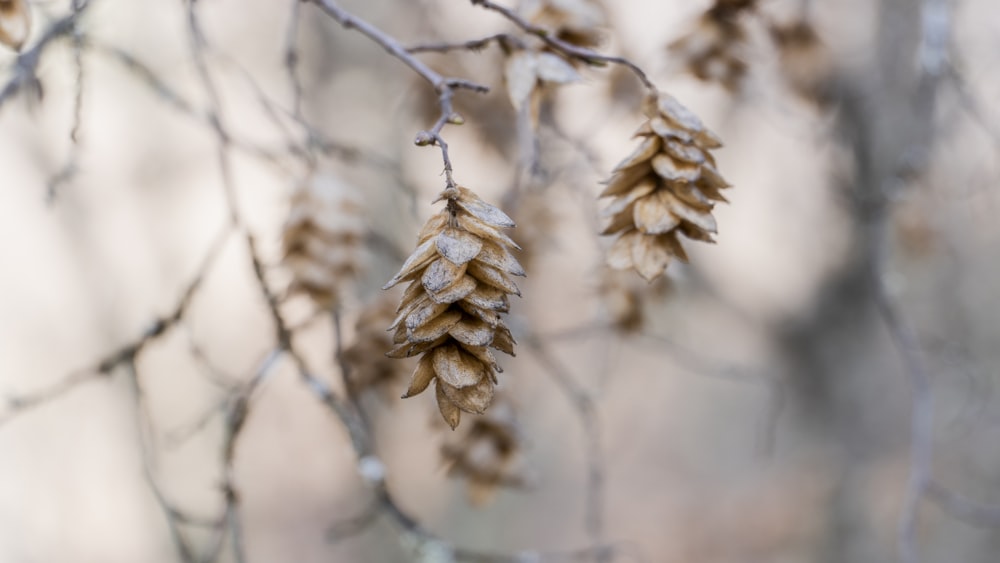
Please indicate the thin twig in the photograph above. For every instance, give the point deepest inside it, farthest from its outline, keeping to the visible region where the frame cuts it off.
(501, 39)
(27, 62)
(586, 409)
(445, 87)
(184, 549)
(19, 404)
(936, 32)
(579, 53)
(971, 512)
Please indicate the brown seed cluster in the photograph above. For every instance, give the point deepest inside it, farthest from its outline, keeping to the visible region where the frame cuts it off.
(323, 238)
(370, 369)
(805, 61)
(711, 51)
(664, 189)
(579, 22)
(488, 455)
(15, 23)
(460, 280)
(626, 301)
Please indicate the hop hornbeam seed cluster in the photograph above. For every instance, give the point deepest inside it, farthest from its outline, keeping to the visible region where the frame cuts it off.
(15, 23)
(488, 455)
(711, 51)
(805, 61)
(626, 302)
(666, 188)
(579, 22)
(370, 369)
(323, 239)
(460, 280)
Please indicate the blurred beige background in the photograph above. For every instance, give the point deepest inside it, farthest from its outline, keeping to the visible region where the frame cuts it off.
(762, 415)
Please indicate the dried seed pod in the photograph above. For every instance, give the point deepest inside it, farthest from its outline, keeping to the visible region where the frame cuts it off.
(460, 277)
(579, 22)
(488, 454)
(711, 51)
(666, 187)
(323, 238)
(15, 23)
(371, 370)
(626, 300)
(805, 61)
(527, 70)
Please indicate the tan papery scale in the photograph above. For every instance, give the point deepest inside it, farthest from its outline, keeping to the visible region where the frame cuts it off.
(460, 277)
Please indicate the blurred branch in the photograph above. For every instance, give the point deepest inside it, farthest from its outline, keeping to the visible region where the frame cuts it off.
(125, 353)
(965, 509)
(501, 39)
(184, 550)
(69, 169)
(27, 62)
(445, 87)
(922, 416)
(570, 50)
(933, 56)
(586, 410)
(292, 58)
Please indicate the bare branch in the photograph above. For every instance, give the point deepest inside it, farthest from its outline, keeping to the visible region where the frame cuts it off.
(586, 410)
(962, 508)
(502, 39)
(582, 54)
(445, 87)
(123, 354)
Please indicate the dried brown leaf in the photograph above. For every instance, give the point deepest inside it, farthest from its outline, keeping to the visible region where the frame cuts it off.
(474, 399)
(422, 376)
(701, 219)
(456, 291)
(449, 411)
(521, 74)
(440, 274)
(652, 214)
(650, 257)
(424, 253)
(483, 211)
(489, 297)
(457, 245)
(500, 258)
(472, 332)
(623, 180)
(424, 314)
(675, 170)
(504, 341)
(552, 68)
(436, 327)
(645, 151)
(457, 368)
(492, 276)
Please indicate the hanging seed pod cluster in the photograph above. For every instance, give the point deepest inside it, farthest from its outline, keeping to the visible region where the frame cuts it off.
(488, 455)
(712, 50)
(371, 370)
(580, 22)
(666, 188)
(459, 284)
(323, 239)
